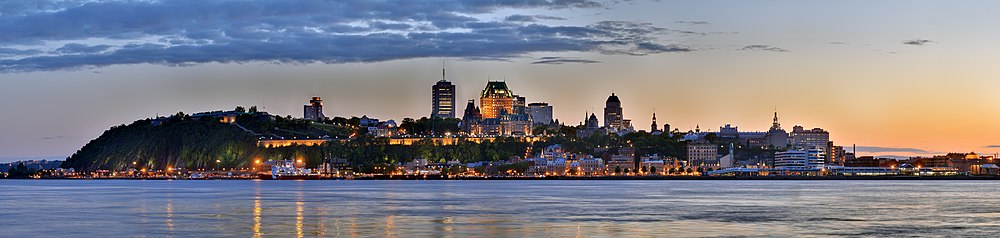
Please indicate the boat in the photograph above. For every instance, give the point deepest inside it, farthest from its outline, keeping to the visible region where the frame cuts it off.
(286, 170)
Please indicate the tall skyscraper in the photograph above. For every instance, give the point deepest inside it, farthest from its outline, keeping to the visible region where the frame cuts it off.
(443, 98)
(540, 113)
(314, 110)
(496, 100)
(613, 113)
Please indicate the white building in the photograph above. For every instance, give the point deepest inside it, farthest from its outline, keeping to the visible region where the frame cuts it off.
(800, 159)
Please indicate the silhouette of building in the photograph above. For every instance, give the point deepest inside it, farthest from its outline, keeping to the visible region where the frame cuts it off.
(613, 113)
(652, 127)
(471, 118)
(443, 98)
(776, 137)
(590, 126)
(314, 110)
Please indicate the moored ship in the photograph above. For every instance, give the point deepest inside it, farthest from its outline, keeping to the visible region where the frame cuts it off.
(286, 170)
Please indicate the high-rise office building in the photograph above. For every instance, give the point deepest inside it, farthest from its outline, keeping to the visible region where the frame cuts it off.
(540, 113)
(443, 98)
(613, 113)
(314, 110)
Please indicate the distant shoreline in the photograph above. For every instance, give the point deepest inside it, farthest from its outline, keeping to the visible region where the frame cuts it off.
(408, 177)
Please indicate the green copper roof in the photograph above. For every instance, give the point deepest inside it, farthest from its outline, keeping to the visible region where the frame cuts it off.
(497, 88)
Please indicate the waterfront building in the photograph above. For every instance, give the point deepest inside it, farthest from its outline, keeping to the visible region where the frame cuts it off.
(623, 160)
(838, 155)
(800, 159)
(540, 114)
(590, 166)
(806, 139)
(613, 113)
(443, 98)
(702, 155)
(653, 164)
(314, 110)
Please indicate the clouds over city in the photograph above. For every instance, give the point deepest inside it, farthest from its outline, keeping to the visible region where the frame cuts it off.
(763, 48)
(917, 42)
(59, 35)
(563, 60)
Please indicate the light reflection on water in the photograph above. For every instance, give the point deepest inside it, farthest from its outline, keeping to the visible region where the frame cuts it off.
(128, 208)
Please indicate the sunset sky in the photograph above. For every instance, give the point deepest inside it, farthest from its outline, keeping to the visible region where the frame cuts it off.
(896, 78)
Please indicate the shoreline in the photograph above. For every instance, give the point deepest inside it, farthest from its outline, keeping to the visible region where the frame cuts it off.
(411, 177)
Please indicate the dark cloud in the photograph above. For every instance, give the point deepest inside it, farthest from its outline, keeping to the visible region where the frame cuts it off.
(563, 60)
(16, 52)
(763, 47)
(531, 18)
(73, 48)
(917, 42)
(692, 22)
(186, 32)
(992, 146)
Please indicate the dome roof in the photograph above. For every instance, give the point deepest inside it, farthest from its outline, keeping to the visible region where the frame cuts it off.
(613, 98)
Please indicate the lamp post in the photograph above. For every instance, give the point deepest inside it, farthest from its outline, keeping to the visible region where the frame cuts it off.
(217, 163)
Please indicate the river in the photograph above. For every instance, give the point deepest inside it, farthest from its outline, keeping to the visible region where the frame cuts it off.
(530, 208)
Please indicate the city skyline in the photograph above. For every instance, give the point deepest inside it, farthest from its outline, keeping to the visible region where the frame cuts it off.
(908, 82)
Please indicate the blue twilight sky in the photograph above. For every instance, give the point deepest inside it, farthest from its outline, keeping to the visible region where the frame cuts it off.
(893, 77)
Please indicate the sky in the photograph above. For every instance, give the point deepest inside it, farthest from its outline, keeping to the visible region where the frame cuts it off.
(895, 78)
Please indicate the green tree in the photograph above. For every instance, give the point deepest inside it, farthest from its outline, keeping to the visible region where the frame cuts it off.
(652, 169)
(618, 170)
(711, 137)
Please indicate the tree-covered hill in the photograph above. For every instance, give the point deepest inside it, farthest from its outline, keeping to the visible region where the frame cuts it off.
(179, 142)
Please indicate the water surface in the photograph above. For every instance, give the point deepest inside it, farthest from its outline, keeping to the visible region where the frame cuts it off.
(137, 208)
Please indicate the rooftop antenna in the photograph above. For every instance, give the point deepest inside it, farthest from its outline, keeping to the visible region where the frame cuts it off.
(442, 70)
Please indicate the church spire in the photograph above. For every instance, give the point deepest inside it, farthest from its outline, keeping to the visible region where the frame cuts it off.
(776, 125)
(653, 126)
